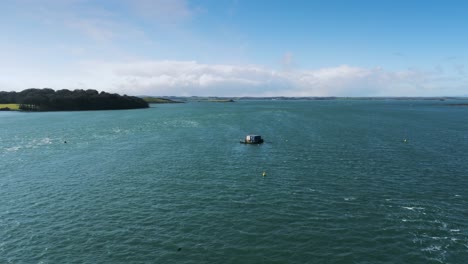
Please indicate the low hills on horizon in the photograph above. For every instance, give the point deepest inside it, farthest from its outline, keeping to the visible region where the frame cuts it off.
(240, 98)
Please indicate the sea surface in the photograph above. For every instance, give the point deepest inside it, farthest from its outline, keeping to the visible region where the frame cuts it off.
(347, 181)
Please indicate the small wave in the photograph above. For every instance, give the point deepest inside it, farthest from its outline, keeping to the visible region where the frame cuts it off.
(412, 208)
(45, 141)
(12, 149)
(182, 123)
(32, 144)
(439, 238)
(432, 248)
(39, 142)
(411, 220)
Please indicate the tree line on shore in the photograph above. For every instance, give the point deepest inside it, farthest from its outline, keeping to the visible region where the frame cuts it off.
(47, 99)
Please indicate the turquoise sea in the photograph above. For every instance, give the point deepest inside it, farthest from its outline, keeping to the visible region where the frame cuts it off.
(172, 184)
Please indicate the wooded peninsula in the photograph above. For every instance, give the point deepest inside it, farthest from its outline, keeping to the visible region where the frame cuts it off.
(65, 100)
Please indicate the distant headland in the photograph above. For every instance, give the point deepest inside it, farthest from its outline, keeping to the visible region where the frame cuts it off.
(47, 99)
(159, 100)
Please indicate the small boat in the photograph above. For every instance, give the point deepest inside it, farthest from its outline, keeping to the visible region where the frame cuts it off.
(252, 139)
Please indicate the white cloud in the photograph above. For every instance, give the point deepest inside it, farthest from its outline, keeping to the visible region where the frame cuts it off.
(192, 78)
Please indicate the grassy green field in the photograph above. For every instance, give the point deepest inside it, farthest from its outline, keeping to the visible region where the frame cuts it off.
(11, 106)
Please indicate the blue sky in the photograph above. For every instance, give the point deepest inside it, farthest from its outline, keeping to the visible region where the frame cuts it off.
(236, 47)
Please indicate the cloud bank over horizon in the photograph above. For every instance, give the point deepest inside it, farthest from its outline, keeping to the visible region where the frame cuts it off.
(190, 78)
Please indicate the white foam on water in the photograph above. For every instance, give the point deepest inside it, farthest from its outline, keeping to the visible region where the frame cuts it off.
(454, 230)
(35, 143)
(439, 238)
(412, 220)
(182, 123)
(412, 208)
(432, 248)
(12, 149)
(45, 141)
(39, 142)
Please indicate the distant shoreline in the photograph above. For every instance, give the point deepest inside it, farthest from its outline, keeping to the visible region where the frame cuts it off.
(304, 98)
(83, 100)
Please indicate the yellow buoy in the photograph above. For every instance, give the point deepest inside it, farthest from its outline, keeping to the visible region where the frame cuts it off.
(264, 174)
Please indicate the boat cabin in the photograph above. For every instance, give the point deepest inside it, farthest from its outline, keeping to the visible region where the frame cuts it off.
(252, 139)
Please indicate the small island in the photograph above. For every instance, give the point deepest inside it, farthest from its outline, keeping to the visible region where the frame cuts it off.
(220, 100)
(47, 99)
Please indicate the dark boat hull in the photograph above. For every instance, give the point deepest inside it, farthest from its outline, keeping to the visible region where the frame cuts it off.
(251, 142)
